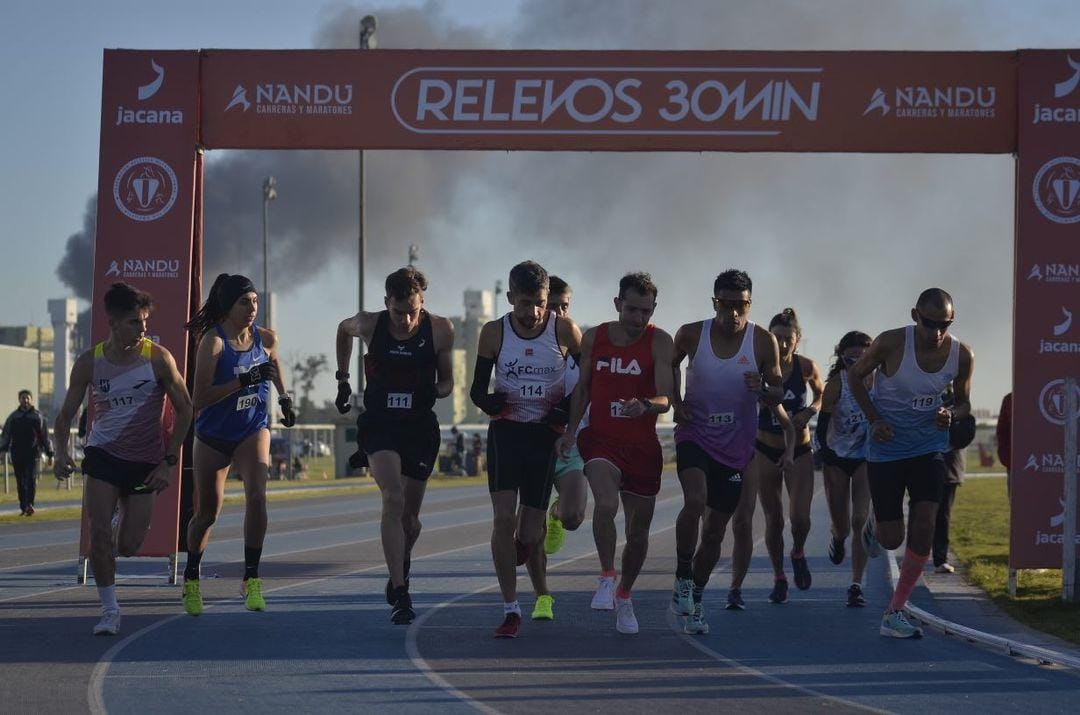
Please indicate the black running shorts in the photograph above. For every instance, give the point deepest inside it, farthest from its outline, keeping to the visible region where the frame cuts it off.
(521, 457)
(723, 484)
(129, 477)
(922, 477)
(415, 439)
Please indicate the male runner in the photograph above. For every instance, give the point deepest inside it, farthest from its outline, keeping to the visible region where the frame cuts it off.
(567, 512)
(528, 348)
(715, 426)
(407, 367)
(909, 431)
(625, 381)
(127, 459)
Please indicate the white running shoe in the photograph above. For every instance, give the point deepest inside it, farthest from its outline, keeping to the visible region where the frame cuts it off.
(895, 624)
(109, 625)
(604, 598)
(625, 620)
(696, 623)
(682, 597)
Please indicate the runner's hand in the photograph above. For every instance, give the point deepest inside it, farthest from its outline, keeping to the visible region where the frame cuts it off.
(63, 467)
(263, 372)
(881, 431)
(564, 444)
(753, 381)
(944, 418)
(344, 395)
(493, 403)
(787, 462)
(158, 480)
(799, 420)
(288, 414)
(682, 414)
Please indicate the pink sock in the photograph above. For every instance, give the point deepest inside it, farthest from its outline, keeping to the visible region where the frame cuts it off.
(910, 571)
(623, 593)
(607, 574)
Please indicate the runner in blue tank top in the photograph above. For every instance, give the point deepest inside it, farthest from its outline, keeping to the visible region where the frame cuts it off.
(236, 361)
(842, 435)
(909, 430)
(799, 373)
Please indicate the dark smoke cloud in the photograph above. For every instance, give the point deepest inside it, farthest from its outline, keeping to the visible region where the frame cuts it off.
(849, 241)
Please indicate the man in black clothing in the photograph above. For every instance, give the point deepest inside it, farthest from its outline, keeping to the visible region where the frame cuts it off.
(961, 434)
(26, 436)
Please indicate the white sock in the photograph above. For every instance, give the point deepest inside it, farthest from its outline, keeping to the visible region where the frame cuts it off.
(107, 594)
(511, 607)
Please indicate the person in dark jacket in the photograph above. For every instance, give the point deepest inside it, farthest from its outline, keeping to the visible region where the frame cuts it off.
(961, 434)
(26, 436)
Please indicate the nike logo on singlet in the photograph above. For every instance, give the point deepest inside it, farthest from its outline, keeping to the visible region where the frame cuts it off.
(140, 383)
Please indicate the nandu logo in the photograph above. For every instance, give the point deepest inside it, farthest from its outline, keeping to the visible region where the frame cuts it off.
(615, 365)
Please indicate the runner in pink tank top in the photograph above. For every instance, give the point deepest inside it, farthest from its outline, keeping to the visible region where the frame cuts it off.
(734, 364)
(129, 455)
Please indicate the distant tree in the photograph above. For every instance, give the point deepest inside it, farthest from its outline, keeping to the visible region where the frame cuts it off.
(305, 372)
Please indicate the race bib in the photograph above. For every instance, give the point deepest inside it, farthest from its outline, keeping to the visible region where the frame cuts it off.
(616, 410)
(246, 402)
(399, 401)
(855, 419)
(527, 391)
(722, 419)
(925, 403)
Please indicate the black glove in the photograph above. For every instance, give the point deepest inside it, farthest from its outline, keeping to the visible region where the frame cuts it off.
(559, 416)
(263, 372)
(288, 415)
(492, 403)
(343, 401)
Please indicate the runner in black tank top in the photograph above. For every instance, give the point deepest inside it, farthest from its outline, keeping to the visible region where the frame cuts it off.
(407, 369)
(800, 373)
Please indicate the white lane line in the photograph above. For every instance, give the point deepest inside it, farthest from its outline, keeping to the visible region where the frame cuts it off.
(95, 688)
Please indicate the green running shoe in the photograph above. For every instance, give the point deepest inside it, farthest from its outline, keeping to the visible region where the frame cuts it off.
(251, 590)
(544, 608)
(696, 623)
(895, 624)
(556, 534)
(192, 598)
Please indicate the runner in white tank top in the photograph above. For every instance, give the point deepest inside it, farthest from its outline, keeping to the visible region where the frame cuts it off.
(129, 455)
(714, 435)
(842, 435)
(909, 430)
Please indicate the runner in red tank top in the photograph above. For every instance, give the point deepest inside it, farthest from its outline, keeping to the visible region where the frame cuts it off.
(624, 392)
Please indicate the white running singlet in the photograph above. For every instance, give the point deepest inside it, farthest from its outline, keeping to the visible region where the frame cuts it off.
(530, 371)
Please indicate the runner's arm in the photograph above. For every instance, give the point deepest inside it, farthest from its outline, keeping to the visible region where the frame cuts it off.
(358, 326)
(680, 353)
(206, 393)
(168, 376)
(962, 383)
(443, 331)
(82, 372)
(871, 359)
(486, 353)
(270, 342)
(812, 376)
(829, 397)
(663, 349)
(579, 400)
(790, 437)
(772, 388)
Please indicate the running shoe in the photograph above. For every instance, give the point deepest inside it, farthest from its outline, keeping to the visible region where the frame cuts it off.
(402, 614)
(855, 596)
(510, 625)
(895, 624)
(696, 623)
(556, 534)
(802, 572)
(523, 552)
(625, 620)
(869, 540)
(251, 590)
(682, 597)
(836, 550)
(192, 598)
(544, 608)
(779, 591)
(30, 510)
(945, 568)
(109, 625)
(734, 600)
(604, 598)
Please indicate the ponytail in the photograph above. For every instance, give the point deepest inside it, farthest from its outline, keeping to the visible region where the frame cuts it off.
(211, 312)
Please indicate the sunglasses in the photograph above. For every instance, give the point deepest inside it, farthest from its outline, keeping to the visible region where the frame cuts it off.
(934, 324)
(849, 361)
(738, 306)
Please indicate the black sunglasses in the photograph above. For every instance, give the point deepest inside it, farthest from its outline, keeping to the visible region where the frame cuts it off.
(739, 306)
(933, 324)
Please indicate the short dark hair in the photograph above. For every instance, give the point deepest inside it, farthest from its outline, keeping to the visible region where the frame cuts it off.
(25, 392)
(934, 297)
(733, 279)
(639, 282)
(404, 282)
(122, 298)
(786, 318)
(557, 286)
(528, 277)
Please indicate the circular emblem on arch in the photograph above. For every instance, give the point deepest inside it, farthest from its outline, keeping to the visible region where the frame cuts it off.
(1056, 190)
(145, 188)
(1052, 401)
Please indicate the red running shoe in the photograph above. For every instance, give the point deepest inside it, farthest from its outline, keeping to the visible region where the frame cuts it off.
(509, 627)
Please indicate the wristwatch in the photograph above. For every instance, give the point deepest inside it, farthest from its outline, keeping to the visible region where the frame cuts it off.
(341, 375)
(171, 459)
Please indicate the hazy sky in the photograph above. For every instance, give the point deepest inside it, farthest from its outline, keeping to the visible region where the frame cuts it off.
(848, 240)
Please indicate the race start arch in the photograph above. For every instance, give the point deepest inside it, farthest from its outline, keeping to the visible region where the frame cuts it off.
(160, 109)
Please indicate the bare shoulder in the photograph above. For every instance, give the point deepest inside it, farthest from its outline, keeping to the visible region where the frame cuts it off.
(442, 329)
(891, 339)
(84, 364)
(807, 365)
(689, 333)
(269, 337)
(662, 339)
(211, 343)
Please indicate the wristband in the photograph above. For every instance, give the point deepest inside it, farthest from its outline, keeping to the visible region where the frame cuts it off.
(341, 375)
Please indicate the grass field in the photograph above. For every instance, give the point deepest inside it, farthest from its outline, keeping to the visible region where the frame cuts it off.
(980, 539)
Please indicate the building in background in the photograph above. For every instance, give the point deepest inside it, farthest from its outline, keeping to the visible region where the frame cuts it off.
(40, 339)
(19, 369)
(479, 309)
(64, 314)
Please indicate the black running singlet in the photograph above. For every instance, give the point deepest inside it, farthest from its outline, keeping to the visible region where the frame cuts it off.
(794, 400)
(400, 374)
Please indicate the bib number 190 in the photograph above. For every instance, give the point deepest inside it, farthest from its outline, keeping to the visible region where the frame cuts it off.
(246, 402)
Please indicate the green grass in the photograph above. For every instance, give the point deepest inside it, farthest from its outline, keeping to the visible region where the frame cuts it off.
(980, 539)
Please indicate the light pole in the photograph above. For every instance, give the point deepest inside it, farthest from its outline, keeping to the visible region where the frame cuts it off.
(269, 194)
(414, 254)
(367, 42)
